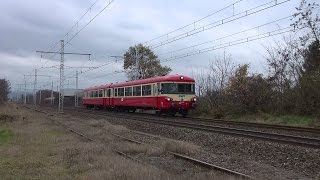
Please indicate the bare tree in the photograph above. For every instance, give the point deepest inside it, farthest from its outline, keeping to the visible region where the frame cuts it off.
(4, 90)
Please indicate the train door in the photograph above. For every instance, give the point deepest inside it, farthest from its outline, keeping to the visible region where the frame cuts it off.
(110, 95)
(156, 94)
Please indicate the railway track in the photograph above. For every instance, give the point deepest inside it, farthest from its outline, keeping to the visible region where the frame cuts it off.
(259, 125)
(176, 155)
(266, 136)
(231, 122)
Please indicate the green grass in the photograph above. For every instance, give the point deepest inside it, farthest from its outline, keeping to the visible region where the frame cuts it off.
(289, 120)
(5, 135)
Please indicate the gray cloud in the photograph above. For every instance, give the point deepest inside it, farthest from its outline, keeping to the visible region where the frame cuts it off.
(27, 26)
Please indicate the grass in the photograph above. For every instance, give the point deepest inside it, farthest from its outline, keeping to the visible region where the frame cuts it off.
(266, 118)
(37, 149)
(5, 135)
(289, 120)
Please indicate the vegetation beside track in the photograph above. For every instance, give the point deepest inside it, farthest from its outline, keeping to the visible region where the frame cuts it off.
(265, 118)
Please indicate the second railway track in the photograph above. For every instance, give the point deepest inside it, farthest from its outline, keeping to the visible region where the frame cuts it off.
(266, 136)
(176, 155)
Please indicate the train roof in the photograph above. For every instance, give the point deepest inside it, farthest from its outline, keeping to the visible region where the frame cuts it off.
(167, 78)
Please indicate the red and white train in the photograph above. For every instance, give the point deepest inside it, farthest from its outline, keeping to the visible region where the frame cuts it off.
(165, 94)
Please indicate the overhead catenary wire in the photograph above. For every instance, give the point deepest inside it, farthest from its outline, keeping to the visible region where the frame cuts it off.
(220, 22)
(227, 36)
(193, 23)
(83, 27)
(231, 43)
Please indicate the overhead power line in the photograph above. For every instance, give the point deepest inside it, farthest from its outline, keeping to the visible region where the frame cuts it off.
(84, 26)
(194, 23)
(220, 22)
(231, 43)
(227, 36)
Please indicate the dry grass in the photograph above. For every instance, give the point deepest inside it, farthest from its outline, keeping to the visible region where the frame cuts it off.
(41, 150)
(181, 147)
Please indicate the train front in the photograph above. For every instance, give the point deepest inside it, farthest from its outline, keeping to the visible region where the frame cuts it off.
(178, 96)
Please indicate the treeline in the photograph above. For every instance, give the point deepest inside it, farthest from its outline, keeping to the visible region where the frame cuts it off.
(4, 90)
(292, 85)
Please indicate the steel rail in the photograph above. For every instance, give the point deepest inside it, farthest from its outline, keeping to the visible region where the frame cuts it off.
(281, 138)
(177, 155)
(252, 124)
(191, 159)
(233, 122)
(87, 137)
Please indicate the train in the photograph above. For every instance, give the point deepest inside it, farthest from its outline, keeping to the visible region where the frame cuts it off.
(170, 94)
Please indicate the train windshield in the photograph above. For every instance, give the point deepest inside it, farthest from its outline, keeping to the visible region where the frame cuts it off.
(177, 88)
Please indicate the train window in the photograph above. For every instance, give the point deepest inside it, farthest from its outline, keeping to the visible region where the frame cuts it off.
(108, 92)
(120, 91)
(100, 93)
(177, 88)
(115, 92)
(128, 91)
(137, 90)
(146, 90)
(95, 94)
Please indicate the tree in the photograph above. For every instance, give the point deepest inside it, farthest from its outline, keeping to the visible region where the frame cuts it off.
(309, 102)
(148, 63)
(305, 18)
(4, 90)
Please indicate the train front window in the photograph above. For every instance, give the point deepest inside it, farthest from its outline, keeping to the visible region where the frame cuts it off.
(177, 88)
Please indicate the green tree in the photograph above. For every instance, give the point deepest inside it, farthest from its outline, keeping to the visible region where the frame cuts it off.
(148, 63)
(309, 101)
(248, 93)
(4, 90)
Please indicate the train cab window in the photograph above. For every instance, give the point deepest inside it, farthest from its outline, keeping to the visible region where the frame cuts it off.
(120, 91)
(100, 93)
(115, 92)
(128, 91)
(137, 90)
(177, 88)
(146, 90)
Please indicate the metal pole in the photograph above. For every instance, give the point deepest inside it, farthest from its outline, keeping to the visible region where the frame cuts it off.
(61, 94)
(40, 97)
(137, 70)
(34, 88)
(52, 93)
(76, 92)
(25, 90)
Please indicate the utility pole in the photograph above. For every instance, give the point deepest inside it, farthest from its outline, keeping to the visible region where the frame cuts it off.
(25, 90)
(40, 97)
(34, 87)
(61, 96)
(52, 93)
(76, 92)
(62, 53)
(137, 68)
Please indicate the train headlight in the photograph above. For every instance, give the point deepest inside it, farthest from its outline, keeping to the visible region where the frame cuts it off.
(169, 99)
(194, 99)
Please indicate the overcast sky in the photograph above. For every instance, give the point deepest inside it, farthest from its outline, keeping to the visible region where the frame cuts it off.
(28, 26)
